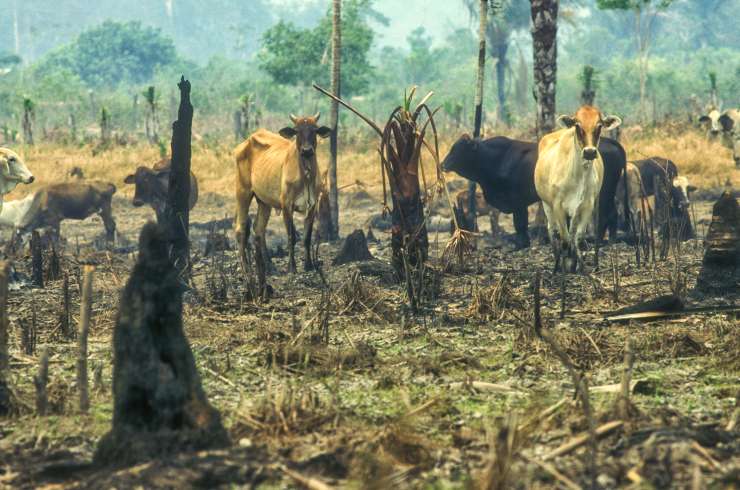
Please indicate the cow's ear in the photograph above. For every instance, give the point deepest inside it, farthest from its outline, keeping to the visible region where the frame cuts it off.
(705, 119)
(288, 132)
(726, 122)
(611, 122)
(323, 131)
(565, 121)
(130, 179)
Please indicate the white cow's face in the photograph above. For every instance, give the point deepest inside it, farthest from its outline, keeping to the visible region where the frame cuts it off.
(12, 171)
(681, 191)
(711, 120)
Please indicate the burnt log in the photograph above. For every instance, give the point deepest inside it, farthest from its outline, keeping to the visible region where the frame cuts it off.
(160, 407)
(177, 210)
(354, 249)
(5, 394)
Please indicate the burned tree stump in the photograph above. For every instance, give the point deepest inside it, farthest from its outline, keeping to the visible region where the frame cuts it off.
(354, 249)
(177, 211)
(5, 395)
(721, 267)
(159, 404)
(37, 261)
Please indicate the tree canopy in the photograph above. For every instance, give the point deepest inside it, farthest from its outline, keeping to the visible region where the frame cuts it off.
(113, 53)
(298, 56)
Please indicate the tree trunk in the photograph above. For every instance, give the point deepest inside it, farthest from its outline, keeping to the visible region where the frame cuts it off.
(28, 121)
(544, 48)
(177, 212)
(642, 64)
(471, 221)
(501, 51)
(336, 44)
(5, 394)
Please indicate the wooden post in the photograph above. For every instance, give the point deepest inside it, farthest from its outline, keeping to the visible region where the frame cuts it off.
(37, 261)
(40, 381)
(85, 314)
(177, 211)
(4, 358)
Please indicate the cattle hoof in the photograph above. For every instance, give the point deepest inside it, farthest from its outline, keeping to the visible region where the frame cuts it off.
(309, 266)
(521, 243)
(292, 269)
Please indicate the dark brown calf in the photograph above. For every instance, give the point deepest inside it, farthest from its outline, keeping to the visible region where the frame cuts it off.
(152, 185)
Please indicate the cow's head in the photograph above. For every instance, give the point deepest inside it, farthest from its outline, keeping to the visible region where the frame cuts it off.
(589, 123)
(680, 191)
(711, 122)
(12, 171)
(151, 186)
(460, 156)
(305, 130)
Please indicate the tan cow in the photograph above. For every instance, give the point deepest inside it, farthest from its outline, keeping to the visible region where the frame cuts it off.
(281, 174)
(568, 178)
(12, 172)
(634, 193)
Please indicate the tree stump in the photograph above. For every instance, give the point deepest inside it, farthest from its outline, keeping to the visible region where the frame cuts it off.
(5, 394)
(159, 404)
(354, 249)
(721, 267)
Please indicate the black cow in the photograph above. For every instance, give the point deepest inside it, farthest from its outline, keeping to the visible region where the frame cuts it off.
(504, 169)
(152, 185)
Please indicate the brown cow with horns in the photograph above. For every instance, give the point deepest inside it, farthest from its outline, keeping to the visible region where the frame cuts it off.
(283, 175)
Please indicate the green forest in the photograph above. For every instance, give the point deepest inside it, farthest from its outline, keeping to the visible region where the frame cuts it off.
(263, 59)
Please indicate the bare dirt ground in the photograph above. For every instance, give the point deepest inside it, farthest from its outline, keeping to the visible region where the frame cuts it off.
(345, 386)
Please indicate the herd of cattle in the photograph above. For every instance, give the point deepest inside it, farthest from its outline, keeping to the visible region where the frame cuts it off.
(579, 176)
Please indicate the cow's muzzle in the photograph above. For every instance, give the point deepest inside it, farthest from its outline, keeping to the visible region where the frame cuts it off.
(138, 202)
(589, 153)
(29, 179)
(307, 152)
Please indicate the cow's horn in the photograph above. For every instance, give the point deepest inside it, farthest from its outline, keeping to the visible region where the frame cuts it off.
(317, 116)
(294, 119)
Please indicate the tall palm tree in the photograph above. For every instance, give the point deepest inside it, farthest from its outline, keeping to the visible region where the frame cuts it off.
(545, 50)
(336, 44)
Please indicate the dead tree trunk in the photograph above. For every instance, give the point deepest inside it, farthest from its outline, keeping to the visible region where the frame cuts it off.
(159, 405)
(28, 116)
(5, 397)
(37, 261)
(471, 221)
(177, 212)
(544, 47)
(85, 313)
(336, 43)
(40, 381)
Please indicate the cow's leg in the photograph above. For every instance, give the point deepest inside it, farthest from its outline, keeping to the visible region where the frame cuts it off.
(308, 264)
(260, 249)
(290, 231)
(552, 232)
(520, 225)
(243, 225)
(495, 226)
(106, 214)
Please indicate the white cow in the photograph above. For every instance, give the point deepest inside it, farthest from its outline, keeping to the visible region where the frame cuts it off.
(568, 178)
(726, 124)
(12, 172)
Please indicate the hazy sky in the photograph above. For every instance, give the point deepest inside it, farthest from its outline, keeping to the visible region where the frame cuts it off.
(438, 17)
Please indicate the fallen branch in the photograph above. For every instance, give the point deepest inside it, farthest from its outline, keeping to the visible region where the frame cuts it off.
(484, 386)
(582, 438)
(656, 315)
(308, 482)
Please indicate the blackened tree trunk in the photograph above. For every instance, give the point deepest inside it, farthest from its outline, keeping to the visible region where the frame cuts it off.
(159, 406)
(544, 48)
(177, 212)
(483, 19)
(28, 110)
(5, 401)
(336, 62)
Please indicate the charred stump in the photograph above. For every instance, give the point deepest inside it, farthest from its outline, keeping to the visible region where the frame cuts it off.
(37, 260)
(354, 249)
(159, 406)
(721, 267)
(177, 211)
(5, 395)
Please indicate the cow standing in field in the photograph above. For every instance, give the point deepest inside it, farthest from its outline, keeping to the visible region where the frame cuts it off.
(54, 203)
(283, 175)
(504, 168)
(12, 172)
(152, 185)
(568, 178)
(726, 124)
(632, 190)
